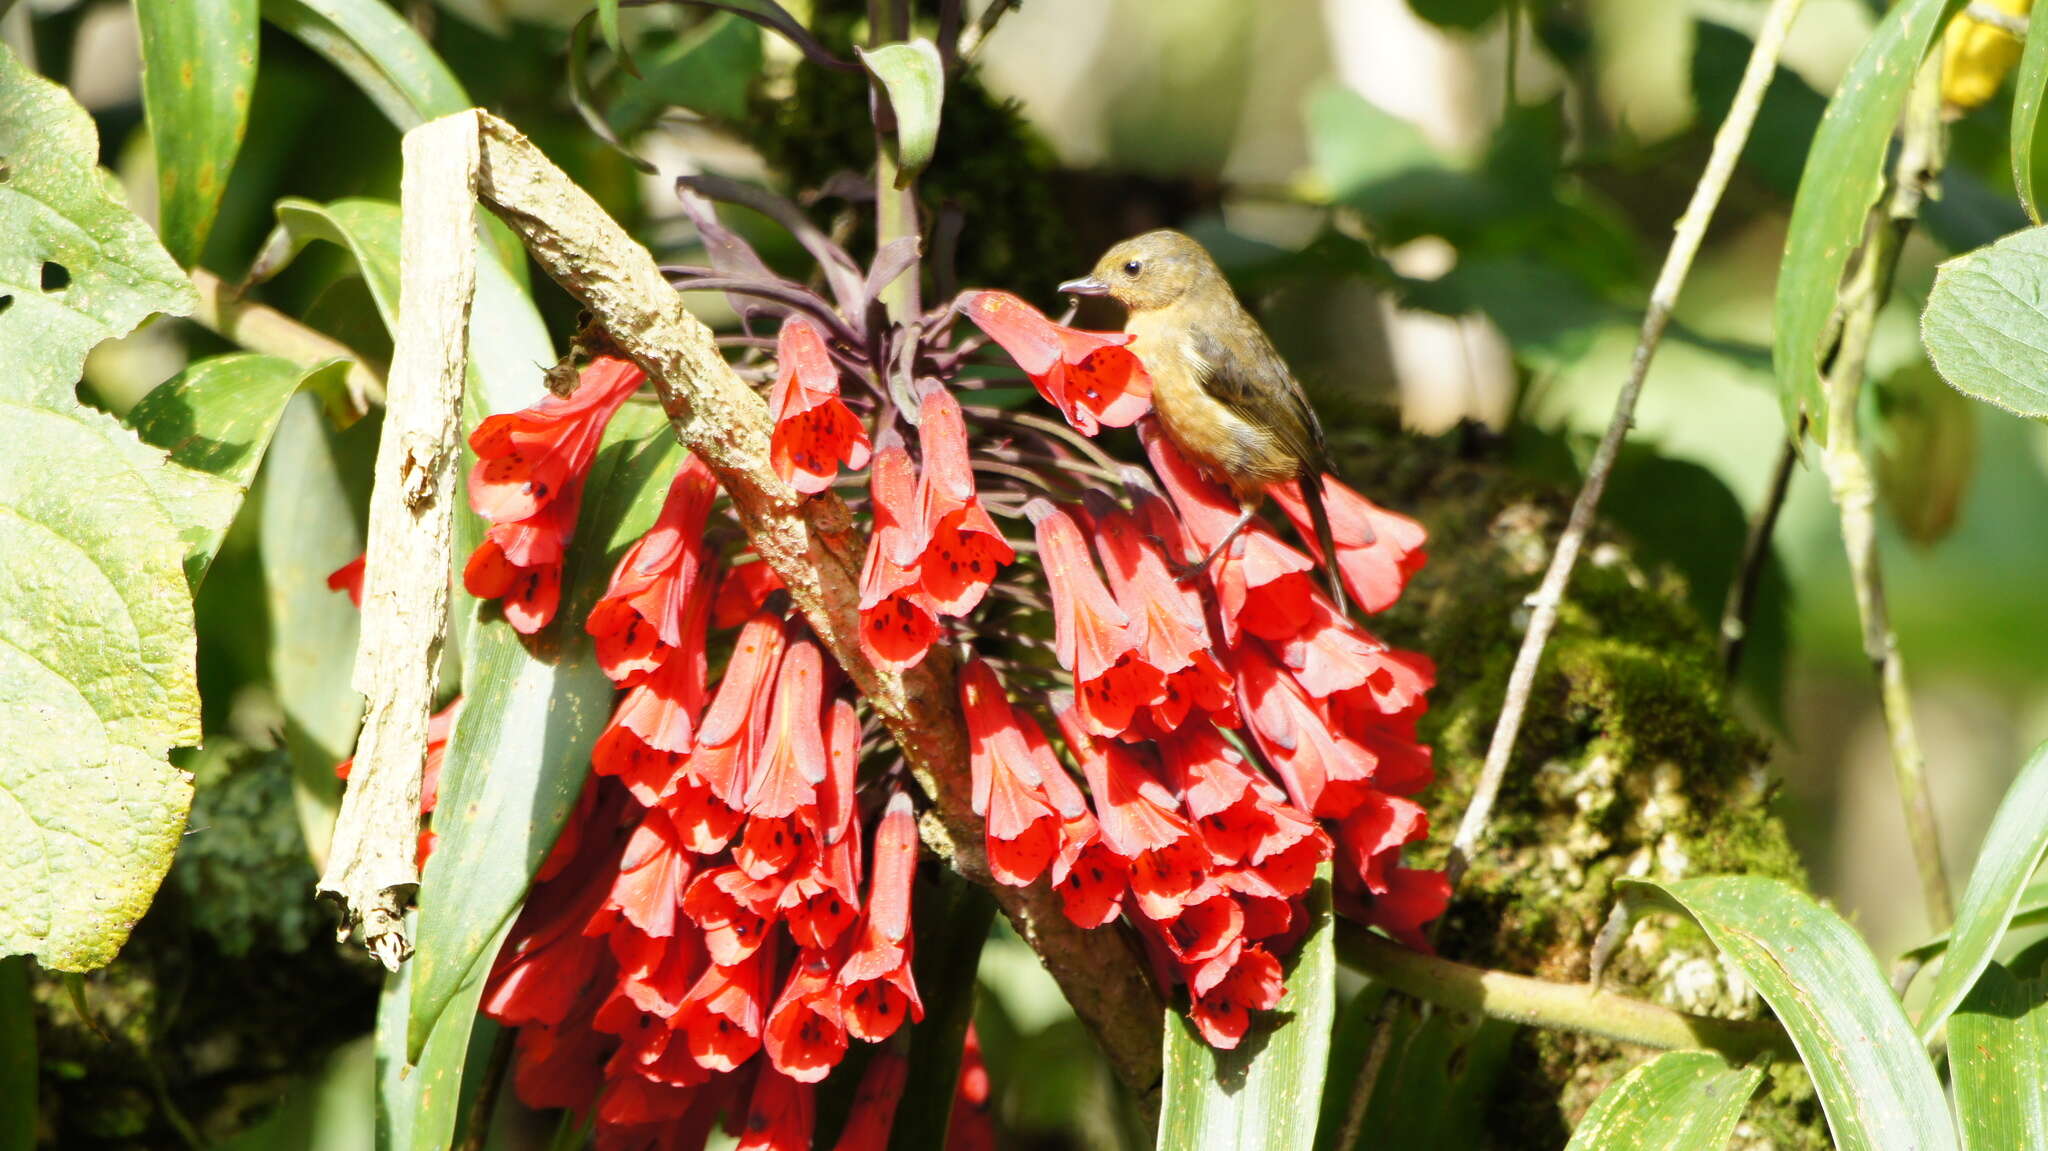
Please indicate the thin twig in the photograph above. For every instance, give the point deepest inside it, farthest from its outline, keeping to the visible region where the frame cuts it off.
(1557, 1006)
(1369, 1071)
(1749, 571)
(1685, 244)
(1849, 477)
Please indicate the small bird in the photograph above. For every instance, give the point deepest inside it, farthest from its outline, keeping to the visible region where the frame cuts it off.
(1224, 397)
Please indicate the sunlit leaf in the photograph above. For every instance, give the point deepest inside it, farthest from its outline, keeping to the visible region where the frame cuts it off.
(1874, 1080)
(1987, 319)
(2030, 89)
(1998, 1062)
(379, 52)
(1844, 175)
(1678, 1101)
(1264, 1093)
(198, 75)
(916, 83)
(2012, 851)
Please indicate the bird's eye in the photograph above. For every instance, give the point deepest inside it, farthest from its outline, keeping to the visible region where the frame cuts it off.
(1131, 268)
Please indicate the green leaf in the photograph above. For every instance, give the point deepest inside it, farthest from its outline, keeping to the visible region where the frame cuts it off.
(708, 71)
(215, 419)
(17, 1055)
(1998, 1062)
(952, 918)
(521, 749)
(608, 26)
(1265, 1092)
(2031, 910)
(96, 636)
(1987, 320)
(915, 80)
(1874, 1081)
(1925, 436)
(2030, 89)
(310, 527)
(198, 74)
(2012, 850)
(1432, 1091)
(376, 49)
(419, 1102)
(1465, 14)
(1679, 1101)
(1844, 175)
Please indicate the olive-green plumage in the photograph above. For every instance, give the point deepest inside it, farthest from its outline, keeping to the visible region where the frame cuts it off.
(1223, 394)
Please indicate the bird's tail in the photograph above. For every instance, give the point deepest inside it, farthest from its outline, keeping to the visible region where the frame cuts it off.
(1319, 516)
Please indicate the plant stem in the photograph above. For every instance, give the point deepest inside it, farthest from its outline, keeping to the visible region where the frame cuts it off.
(1685, 244)
(895, 208)
(268, 330)
(1756, 549)
(1559, 1006)
(1849, 477)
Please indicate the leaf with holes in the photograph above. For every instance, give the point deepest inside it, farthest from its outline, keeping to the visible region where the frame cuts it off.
(198, 74)
(97, 681)
(1678, 1101)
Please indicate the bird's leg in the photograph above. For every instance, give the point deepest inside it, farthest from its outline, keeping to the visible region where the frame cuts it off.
(1188, 572)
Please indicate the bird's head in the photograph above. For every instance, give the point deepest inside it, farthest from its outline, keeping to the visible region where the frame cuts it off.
(1150, 271)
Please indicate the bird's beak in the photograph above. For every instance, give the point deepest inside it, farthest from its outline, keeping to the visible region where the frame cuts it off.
(1085, 286)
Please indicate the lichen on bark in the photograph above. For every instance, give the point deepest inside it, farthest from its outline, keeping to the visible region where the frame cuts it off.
(1632, 762)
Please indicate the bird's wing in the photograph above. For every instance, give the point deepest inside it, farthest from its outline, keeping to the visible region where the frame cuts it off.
(1250, 377)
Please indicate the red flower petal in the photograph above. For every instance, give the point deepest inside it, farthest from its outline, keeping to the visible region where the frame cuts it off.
(814, 432)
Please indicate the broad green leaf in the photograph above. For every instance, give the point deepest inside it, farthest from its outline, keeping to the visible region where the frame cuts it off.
(17, 1055)
(521, 749)
(324, 1110)
(2030, 910)
(1265, 1092)
(376, 49)
(1925, 436)
(198, 74)
(215, 419)
(1366, 156)
(1432, 1090)
(915, 80)
(309, 528)
(97, 682)
(1874, 1080)
(1844, 175)
(1998, 1062)
(2030, 89)
(1466, 14)
(1678, 1101)
(608, 26)
(77, 267)
(2012, 850)
(952, 918)
(1987, 320)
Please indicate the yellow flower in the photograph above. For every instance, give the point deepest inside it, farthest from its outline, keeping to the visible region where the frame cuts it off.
(1977, 56)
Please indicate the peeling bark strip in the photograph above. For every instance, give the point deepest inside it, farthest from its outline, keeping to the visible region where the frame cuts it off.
(813, 545)
(372, 869)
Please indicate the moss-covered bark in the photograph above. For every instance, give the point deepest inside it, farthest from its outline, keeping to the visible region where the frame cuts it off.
(1630, 763)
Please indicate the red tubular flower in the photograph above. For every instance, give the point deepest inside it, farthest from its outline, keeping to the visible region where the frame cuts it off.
(649, 611)
(1009, 780)
(652, 875)
(814, 431)
(1204, 930)
(876, 990)
(656, 974)
(1377, 550)
(548, 962)
(1169, 614)
(1091, 377)
(874, 1104)
(1324, 770)
(958, 547)
(805, 1037)
(559, 1066)
(724, 905)
(791, 761)
(733, 728)
(349, 578)
(1253, 983)
(1371, 837)
(720, 1018)
(971, 1128)
(528, 481)
(821, 901)
(741, 593)
(1094, 638)
(1413, 898)
(779, 1116)
(1140, 820)
(898, 622)
(1331, 654)
(836, 808)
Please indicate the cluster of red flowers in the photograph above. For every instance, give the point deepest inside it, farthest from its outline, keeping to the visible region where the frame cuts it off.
(727, 907)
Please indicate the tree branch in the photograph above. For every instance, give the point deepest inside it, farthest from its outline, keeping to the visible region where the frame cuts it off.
(1559, 1006)
(372, 868)
(816, 549)
(1749, 570)
(1685, 244)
